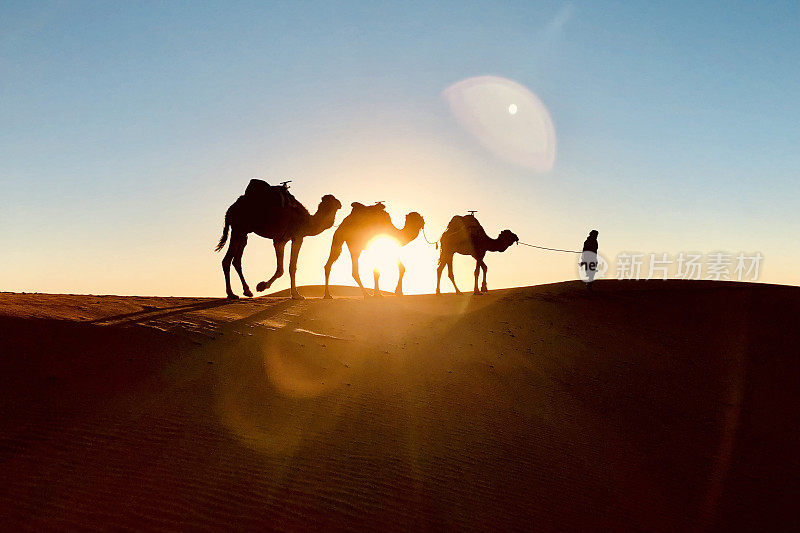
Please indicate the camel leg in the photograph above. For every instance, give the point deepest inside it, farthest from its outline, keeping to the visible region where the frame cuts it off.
(451, 276)
(484, 288)
(279, 247)
(439, 269)
(336, 251)
(477, 274)
(401, 269)
(237, 264)
(354, 254)
(296, 244)
(377, 292)
(233, 246)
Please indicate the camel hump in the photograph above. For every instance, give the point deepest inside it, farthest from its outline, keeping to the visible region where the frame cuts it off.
(470, 220)
(459, 222)
(463, 225)
(358, 207)
(262, 192)
(257, 188)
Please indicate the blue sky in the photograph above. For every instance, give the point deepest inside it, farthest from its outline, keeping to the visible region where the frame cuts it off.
(126, 129)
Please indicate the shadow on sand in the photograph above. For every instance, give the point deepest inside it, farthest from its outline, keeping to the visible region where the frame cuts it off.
(159, 312)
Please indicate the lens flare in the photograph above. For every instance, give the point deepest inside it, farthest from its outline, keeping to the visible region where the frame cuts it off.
(520, 132)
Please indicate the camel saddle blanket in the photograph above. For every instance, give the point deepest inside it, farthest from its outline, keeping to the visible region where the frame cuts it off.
(261, 192)
(466, 223)
(361, 209)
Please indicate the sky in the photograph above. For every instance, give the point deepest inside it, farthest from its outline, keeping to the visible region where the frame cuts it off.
(128, 128)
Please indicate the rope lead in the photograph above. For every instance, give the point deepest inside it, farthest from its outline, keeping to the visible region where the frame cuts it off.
(436, 243)
(426, 238)
(551, 249)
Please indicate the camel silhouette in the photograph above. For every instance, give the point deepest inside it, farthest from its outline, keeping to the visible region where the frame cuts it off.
(363, 224)
(271, 212)
(465, 235)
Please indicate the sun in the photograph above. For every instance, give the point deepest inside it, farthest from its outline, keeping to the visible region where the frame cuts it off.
(382, 254)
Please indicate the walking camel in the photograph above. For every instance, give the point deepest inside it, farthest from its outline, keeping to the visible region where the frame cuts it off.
(363, 224)
(465, 235)
(271, 212)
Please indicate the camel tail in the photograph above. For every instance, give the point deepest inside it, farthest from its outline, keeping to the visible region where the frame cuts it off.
(224, 237)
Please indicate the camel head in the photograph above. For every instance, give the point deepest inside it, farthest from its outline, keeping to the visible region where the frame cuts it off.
(324, 217)
(414, 222)
(507, 238)
(329, 204)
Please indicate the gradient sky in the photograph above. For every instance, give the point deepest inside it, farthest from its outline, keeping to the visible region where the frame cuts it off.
(128, 128)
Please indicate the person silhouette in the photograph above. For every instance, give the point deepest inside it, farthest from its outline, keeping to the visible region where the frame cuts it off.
(589, 257)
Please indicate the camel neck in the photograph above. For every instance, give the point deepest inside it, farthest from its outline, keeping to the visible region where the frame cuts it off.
(406, 235)
(496, 245)
(319, 222)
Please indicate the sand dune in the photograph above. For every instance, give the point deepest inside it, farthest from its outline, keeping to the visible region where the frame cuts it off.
(658, 406)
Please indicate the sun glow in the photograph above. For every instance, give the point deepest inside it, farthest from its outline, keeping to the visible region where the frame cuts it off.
(382, 254)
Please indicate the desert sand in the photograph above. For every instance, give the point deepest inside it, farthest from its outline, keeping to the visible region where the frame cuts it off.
(650, 405)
